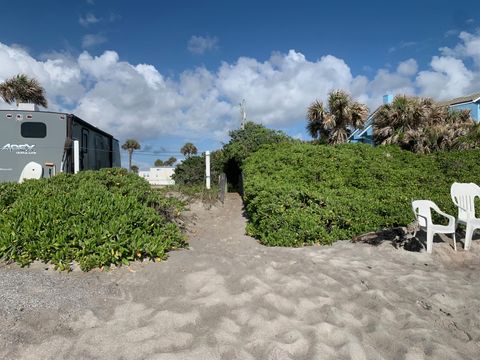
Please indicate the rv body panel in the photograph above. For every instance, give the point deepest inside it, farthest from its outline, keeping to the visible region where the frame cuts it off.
(46, 138)
(30, 137)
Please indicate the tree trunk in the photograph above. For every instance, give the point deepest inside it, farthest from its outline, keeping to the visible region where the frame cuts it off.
(130, 151)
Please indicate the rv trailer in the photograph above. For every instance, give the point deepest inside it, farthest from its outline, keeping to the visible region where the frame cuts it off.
(36, 144)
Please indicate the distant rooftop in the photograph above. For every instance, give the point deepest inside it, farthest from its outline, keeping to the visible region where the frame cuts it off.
(461, 100)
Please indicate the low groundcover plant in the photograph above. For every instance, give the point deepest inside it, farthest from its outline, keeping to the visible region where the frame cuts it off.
(95, 218)
(300, 194)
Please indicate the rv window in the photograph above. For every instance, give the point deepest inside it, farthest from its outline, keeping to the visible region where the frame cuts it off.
(33, 130)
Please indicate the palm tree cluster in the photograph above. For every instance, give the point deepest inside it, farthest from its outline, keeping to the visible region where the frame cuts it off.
(21, 88)
(188, 149)
(332, 124)
(169, 162)
(421, 125)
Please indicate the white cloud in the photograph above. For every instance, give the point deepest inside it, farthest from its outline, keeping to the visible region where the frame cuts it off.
(92, 40)
(450, 74)
(468, 48)
(402, 45)
(60, 76)
(408, 67)
(448, 78)
(450, 33)
(137, 100)
(201, 44)
(88, 19)
(280, 89)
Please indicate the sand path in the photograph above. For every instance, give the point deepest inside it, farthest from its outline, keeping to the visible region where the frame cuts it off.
(230, 298)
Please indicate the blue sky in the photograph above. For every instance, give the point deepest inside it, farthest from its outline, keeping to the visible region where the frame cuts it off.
(168, 72)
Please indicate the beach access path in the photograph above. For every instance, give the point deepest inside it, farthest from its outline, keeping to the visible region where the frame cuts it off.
(228, 297)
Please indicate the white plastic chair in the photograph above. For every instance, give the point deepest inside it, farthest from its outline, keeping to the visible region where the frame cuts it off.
(463, 196)
(423, 214)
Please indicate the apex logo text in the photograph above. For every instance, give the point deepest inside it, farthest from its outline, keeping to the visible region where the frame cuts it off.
(19, 149)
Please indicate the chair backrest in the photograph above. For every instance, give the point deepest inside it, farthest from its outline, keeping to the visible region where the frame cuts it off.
(421, 208)
(463, 196)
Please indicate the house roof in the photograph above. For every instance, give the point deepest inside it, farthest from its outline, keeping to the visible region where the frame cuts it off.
(460, 100)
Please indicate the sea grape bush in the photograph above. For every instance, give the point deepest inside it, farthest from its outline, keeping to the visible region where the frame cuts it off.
(96, 218)
(248, 139)
(191, 171)
(299, 194)
(243, 142)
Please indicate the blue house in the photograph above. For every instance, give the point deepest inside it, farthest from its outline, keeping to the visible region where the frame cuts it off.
(470, 102)
(365, 134)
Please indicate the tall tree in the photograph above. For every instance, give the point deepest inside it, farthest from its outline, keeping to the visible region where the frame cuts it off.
(420, 125)
(333, 123)
(158, 163)
(130, 145)
(21, 88)
(188, 149)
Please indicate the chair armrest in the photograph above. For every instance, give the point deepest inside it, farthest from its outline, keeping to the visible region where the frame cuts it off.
(451, 219)
(423, 217)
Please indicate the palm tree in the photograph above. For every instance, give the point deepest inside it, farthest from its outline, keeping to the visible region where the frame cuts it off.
(420, 125)
(21, 88)
(188, 149)
(469, 141)
(158, 163)
(334, 123)
(130, 145)
(171, 160)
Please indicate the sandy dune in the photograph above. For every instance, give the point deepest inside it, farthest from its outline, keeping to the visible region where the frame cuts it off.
(230, 298)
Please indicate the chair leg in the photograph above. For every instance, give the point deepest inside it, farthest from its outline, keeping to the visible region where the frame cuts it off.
(468, 236)
(430, 235)
(454, 242)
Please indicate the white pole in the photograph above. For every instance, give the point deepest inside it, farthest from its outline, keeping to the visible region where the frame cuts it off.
(207, 168)
(76, 156)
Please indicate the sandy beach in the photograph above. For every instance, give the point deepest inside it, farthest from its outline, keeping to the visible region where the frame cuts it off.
(228, 297)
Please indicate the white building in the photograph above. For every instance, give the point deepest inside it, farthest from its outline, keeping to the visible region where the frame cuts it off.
(159, 175)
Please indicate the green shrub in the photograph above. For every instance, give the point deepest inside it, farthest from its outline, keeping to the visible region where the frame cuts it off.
(229, 159)
(250, 138)
(297, 194)
(96, 218)
(191, 171)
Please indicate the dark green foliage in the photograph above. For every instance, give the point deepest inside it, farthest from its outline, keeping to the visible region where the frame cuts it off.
(242, 144)
(229, 160)
(246, 141)
(134, 169)
(170, 161)
(297, 194)
(96, 218)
